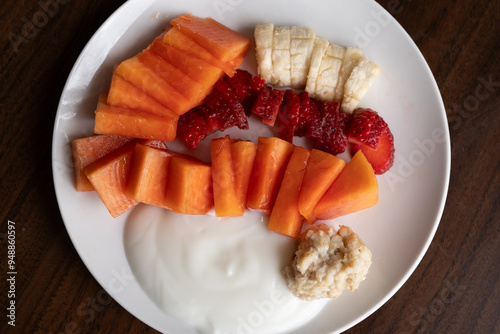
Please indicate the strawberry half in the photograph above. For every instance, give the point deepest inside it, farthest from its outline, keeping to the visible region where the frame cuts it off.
(382, 157)
(366, 127)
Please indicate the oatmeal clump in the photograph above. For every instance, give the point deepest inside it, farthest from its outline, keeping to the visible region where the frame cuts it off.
(327, 262)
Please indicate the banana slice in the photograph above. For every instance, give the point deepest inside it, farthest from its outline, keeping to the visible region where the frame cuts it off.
(281, 56)
(329, 72)
(301, 46)
(263, 34)
(355, 88)
(319, 49)
(352, 57)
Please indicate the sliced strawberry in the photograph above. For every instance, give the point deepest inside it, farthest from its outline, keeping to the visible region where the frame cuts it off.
(253, 90)
(314, 126)
(366, 127)
(225, 90)
(268, 104)
(335, 126)
(225, 113)
(289, 115)
(304, 113)
(381, 158)
(240, 83)
(192, 127)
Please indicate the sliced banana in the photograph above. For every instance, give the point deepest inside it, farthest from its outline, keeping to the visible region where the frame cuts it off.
(301, 46)
(329, 72)
(319, 49)
(264, 49)
(352, 57)
(357, 85)
(281, 56)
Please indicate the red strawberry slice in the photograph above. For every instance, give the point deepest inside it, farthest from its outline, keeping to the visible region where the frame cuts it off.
(239, 83)
(335, 129)
(304, 113)
(226, 113)
(289, 115)
(366, 127)
(253, 90)
(268, 104)
(192, 127)
(381, 158)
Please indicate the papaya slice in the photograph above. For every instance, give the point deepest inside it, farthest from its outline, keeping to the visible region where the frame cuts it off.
(109, 177)
(149, 175)
(188, 87)
(269, 166)
(322, 170)
(87, 150)
(226, 202)
(138, 74)
(133, 123)
(177, 39)
(123, 94)
(223, 42)
(243, 156)
(189, 188)
(285, 216)
(355, 189)
(197, 69)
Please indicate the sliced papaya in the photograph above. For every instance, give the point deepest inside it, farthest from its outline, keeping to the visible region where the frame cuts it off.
(322, 170)
(189, 188)
(133, 123)
(226, 202)
(223, 42)
(197, 69)
(138, 74)
(149, 175)
(90, 149)
(285, 216)
(355, 189)
(109, 177)
(269, 166)
(243, 156)
(123, 94)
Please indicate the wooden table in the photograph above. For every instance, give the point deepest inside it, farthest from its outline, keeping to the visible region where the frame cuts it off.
(455, 289)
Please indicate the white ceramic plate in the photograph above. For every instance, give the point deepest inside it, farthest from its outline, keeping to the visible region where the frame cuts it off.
(412, 194)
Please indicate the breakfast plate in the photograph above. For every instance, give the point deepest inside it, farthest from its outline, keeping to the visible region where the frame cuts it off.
(398, 230)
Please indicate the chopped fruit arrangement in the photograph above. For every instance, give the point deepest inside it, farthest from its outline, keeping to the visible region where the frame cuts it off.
(291, 183)
(293, 56)
(171, 76)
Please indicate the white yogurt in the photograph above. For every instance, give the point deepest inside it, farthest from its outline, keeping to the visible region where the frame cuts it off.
(218, 275)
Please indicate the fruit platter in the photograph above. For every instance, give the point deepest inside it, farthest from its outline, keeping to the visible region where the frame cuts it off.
(202, 150)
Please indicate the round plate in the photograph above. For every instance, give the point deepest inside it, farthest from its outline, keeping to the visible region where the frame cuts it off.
(398, 229)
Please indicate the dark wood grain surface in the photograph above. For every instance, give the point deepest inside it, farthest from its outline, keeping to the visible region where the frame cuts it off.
(455, 289)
